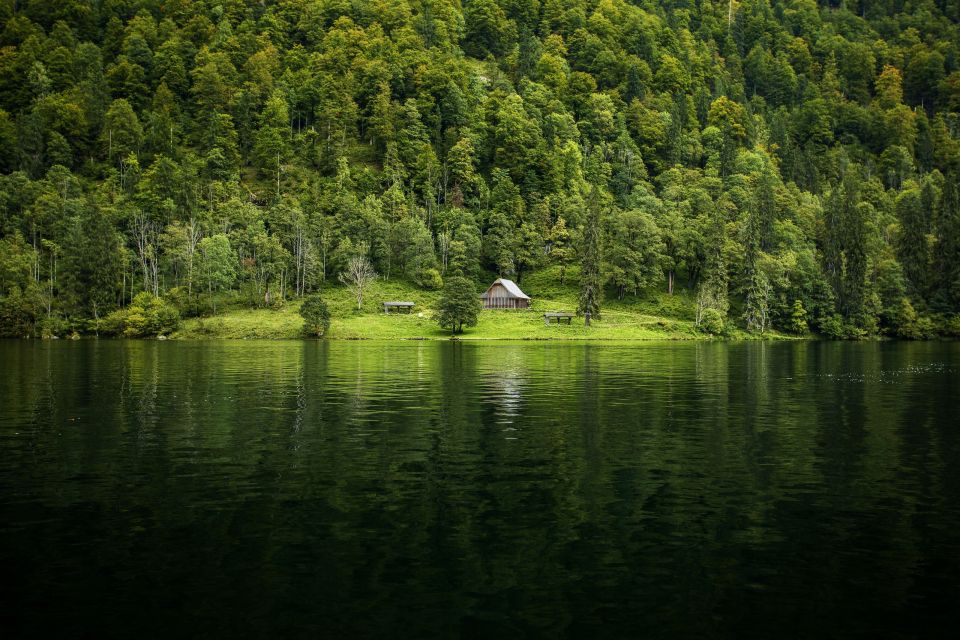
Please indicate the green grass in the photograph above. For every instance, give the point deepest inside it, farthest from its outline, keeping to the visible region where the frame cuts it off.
(648, 316)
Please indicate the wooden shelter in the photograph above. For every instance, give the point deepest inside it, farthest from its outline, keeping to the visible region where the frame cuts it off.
(504, 294)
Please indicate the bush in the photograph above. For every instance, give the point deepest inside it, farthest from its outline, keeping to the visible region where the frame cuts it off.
(949, 325)
(55, 326)
(429, 279)
(19, 314)
(315, 314)
(798, 319)
(909, 324)
(832, 326)
(712, 322)
(147, 315)
(178, 298)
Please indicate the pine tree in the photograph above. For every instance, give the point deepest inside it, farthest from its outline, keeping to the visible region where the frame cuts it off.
(947, 260)
(560, 250)
(758, 226)
(591, 258)
(912, 244)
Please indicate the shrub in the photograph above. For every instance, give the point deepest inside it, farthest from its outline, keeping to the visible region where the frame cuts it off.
(178, 298)
(909, 324)
(832, 326)
(147, 315)
(949, 325)
(315, 314)
(798, 319)
(55, 326)
(429, 279)
(712, 322)
(20, 313)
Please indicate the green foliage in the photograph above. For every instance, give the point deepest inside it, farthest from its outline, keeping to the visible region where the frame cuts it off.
(756, 153)
(122, 133)
(712, 322)
(459, 305)
(315, 314)
(634, 252)
(21, 313)
(147, 315)
(832, 327)
(912, 247)
(561, 251)
(421, 260)
(16, 263)
(911, 325)
(216, 266)
(591, 278)
(798, 319)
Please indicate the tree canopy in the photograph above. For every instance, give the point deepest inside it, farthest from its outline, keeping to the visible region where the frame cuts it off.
(769, 156)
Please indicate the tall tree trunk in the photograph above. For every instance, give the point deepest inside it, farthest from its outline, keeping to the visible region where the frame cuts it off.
(193, 239)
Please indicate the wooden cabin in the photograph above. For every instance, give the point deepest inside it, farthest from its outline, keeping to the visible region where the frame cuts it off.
(504, 294)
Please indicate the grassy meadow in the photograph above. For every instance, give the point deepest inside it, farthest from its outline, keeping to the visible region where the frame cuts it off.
(652, 315)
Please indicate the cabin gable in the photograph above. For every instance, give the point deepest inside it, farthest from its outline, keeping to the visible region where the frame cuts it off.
(502, 295)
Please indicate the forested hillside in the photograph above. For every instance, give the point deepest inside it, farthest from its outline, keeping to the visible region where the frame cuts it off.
(793, 162)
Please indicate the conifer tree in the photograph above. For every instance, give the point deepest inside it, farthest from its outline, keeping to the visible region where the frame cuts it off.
(947, 260)
(591, 259)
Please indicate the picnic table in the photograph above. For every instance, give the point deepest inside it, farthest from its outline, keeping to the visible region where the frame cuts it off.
(559, 316)
(397, 305)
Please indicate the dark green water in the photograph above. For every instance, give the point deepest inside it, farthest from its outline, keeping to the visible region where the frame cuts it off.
(349, 490)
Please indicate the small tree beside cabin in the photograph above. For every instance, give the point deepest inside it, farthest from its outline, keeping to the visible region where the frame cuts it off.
(459, 305)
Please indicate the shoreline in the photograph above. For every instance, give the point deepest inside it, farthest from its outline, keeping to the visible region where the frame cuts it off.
(773, 337)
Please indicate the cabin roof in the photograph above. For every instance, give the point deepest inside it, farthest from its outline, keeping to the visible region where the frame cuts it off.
(510, 286)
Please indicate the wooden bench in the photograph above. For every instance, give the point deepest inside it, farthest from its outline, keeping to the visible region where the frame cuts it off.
(397, 305)
(559, 316)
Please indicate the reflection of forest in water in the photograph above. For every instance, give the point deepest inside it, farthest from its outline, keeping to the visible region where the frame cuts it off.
(654, 489)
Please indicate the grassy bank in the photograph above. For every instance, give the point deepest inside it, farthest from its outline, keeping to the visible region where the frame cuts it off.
(649, 316)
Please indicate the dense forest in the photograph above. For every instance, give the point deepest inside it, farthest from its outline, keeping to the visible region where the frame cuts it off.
(793, 164)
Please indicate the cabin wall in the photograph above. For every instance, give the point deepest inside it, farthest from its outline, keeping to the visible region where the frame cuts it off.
(499, 298)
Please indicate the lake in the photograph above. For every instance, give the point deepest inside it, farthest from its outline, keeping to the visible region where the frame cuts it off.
(499, 490)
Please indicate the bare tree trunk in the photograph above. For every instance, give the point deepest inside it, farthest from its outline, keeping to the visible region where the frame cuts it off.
(299, 261)
(143, 233)
(193, 239)
(212, 299)
(444, 241)
(155, 269)
(358, 276)
(36, 256)
(50, 297)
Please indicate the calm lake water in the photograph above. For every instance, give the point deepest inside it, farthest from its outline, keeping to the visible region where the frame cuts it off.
(353, 490)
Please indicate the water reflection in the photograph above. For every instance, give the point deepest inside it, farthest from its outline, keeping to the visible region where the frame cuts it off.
(506, 490)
